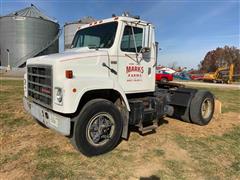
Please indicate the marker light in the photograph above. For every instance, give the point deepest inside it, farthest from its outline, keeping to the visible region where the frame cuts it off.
(69, 74)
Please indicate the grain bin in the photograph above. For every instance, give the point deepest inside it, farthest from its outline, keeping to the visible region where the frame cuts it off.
(25, 34)
(71, 28)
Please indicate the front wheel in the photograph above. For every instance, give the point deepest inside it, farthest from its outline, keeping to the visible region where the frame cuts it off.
(202, 108)
(97, 128)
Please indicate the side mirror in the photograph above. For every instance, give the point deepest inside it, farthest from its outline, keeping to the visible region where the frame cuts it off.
(145, 49)
(146, 53)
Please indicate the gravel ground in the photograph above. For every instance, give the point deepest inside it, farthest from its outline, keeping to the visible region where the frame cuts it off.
(204, 84)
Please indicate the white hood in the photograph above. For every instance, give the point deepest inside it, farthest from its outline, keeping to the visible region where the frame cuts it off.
(71, 54)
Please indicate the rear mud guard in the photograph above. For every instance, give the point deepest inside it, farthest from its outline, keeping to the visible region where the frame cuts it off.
(192, 105)
(181, 99)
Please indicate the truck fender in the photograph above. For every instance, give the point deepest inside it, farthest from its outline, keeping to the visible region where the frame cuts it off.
(118, 88)
(124, 110)
(123, 106)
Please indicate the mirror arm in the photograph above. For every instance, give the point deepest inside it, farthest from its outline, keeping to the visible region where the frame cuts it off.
(133, 58)
(135, 44)
(155, 64)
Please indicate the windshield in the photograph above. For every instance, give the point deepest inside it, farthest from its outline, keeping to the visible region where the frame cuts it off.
(100, 36)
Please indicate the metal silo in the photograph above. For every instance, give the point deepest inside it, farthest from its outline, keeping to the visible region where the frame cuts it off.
(27, 33)
(71, 28)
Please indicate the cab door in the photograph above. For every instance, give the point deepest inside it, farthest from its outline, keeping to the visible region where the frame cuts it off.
(136, 71)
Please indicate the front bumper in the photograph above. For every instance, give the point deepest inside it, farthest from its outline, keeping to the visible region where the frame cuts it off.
(51, 119)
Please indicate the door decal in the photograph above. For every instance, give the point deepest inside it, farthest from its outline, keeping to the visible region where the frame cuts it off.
(134, 73)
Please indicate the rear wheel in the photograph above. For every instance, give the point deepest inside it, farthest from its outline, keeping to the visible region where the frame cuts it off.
(98, 128)
(164, 80)
(202, 108)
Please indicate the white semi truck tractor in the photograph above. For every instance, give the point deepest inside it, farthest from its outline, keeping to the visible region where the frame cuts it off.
(104, 84)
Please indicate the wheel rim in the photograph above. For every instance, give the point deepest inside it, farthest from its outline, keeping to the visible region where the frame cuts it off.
(206, 108)
(100, 129)
(164, 80)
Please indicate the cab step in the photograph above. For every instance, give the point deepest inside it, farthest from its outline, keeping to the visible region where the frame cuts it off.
(146, 129)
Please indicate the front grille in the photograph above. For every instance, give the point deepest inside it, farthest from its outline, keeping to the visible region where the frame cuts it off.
(40, 84)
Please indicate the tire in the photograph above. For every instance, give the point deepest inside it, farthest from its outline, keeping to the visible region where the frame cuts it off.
(87, 126)
(202, 108)
(164, 80)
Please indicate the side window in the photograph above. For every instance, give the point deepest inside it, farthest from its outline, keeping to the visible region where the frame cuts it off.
(127, 43)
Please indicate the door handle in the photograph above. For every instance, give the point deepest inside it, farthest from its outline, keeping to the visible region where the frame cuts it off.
(149, 70)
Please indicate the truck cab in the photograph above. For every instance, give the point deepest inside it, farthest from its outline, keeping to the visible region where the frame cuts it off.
(94, 91)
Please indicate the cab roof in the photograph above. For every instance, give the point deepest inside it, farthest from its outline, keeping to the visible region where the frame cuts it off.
(117, 18)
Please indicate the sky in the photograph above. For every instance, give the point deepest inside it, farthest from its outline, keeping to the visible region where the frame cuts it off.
(185, 29)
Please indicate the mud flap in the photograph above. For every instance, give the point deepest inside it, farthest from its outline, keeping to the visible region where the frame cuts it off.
(180, 100)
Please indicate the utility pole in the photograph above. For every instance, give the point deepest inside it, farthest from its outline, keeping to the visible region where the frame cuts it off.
(8, 67)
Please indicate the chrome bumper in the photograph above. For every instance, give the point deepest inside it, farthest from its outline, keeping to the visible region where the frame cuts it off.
(51, 119)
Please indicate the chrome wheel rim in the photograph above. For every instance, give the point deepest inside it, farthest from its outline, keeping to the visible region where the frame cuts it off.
(100, 129)
(206, 108)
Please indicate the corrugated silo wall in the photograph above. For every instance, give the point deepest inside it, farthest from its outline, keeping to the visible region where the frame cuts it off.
(69, 32)
(24, 37)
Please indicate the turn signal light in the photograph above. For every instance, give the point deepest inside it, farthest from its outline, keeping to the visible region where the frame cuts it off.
(69, 74)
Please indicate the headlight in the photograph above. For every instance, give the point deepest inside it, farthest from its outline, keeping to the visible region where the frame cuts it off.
(59, 95)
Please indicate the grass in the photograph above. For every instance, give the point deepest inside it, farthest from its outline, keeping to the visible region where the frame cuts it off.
(51, 167)
(39, 153)
(176, 168)
(159, 152)
(6, 158)
(12, 114)
(215, 155)
(8, 120)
